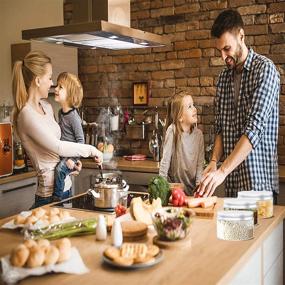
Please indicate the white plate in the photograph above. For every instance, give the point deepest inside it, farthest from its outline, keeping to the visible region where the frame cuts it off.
(11, 226)
(158, 258)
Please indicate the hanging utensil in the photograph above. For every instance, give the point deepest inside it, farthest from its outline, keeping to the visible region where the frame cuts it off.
(101, 170)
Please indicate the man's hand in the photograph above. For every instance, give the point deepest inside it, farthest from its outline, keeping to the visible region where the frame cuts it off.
(210, 182)
(70, 163)
(77, 167)
(212, 166)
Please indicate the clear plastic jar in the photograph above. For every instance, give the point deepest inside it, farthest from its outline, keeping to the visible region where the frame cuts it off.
(235, 225)
(264, 201)
(240, 204)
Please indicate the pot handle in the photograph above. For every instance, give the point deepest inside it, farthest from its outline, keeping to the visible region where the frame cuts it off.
(93, 193)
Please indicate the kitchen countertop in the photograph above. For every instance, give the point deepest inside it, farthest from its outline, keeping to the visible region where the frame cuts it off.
(17, 177)
(207, 261)
(127, 165)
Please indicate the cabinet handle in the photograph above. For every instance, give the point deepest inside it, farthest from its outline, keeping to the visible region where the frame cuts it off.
(18, 188)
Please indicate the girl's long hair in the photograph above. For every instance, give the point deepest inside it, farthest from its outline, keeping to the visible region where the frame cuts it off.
(24, 72)
(174, 114)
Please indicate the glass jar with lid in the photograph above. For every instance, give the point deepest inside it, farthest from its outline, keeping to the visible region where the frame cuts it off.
(264, 200)
(237, 204)
(235, 225)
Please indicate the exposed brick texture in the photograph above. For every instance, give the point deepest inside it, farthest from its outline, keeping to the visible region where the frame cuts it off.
(191, 62)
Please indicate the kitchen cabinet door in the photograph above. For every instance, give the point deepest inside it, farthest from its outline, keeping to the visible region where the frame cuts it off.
(17, 196)
(63, 58)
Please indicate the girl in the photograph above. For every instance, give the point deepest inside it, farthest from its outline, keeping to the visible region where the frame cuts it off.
(69, 94)
(183, 150)
(34, 122)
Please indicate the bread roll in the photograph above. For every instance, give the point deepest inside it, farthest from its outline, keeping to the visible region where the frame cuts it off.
(19, 220)
(31, 220)
(64, 215)
(36, 257)
(44, 244)
(64, 247)
(63, 242)
(53, 211)
(19, 255)
(29, 243)
(39, 212)
(51, 255)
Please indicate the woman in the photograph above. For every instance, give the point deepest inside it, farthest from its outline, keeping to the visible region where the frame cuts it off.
(35, 124)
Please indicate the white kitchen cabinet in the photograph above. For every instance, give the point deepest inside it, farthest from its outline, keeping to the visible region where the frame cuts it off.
(17, 196)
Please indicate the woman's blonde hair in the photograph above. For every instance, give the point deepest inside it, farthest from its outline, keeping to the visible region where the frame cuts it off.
(24, 72)
(174, 114)
(73, 88)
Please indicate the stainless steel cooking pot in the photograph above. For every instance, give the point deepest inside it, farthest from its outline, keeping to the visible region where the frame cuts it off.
(109, 191)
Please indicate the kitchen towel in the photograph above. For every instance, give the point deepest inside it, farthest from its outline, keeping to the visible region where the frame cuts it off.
(12, 274)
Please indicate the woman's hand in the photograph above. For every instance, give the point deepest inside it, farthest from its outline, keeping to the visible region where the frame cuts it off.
(77, 167)
(98, 158)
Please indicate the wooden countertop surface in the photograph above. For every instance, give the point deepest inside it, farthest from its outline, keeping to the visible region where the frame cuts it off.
(207, 261)
(17, 177)
(127, 165)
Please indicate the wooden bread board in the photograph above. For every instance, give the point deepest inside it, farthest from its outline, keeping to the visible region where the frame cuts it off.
(207, 213)
(133, 229)
(178, 244)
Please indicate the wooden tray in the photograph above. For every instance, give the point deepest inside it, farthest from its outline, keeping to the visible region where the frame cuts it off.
(206, 213)
(178, 244)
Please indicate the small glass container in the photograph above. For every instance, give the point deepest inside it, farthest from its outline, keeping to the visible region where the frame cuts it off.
(264, 200)
(240, 204)
(235, 225)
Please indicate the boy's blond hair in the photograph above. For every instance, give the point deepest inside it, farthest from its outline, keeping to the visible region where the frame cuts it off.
(73, 87)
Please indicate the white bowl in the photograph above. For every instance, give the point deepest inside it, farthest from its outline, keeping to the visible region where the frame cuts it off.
(107, 156)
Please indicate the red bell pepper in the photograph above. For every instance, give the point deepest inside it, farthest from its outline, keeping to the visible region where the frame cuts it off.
(178, 197)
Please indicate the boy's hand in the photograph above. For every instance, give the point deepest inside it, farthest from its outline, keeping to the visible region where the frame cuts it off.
(77, 167)
(70, 163)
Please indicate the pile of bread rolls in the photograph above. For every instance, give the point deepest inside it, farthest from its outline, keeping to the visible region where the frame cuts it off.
(46, 216)
(33, 254)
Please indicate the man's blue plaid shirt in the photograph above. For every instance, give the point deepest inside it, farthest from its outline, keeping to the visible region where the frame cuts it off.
(256, 115)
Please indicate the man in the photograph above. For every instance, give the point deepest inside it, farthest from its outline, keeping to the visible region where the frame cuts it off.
(246, 115)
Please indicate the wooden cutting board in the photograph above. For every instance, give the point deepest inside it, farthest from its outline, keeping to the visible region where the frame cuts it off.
(206, 213)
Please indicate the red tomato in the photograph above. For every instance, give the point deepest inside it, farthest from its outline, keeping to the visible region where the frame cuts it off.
(120, 210)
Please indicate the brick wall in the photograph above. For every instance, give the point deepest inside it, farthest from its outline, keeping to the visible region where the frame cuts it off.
(191, 62)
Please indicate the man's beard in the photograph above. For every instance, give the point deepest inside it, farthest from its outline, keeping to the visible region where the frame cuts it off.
(233, 61)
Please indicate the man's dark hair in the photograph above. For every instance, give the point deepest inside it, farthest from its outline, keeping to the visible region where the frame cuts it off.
(227, 21)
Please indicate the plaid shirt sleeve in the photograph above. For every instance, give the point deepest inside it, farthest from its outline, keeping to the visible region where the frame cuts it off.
(263, 101)
(218, 124)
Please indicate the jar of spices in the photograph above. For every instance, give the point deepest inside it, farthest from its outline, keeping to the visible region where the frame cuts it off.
(235, 225)
(240, 204)
(264, 200)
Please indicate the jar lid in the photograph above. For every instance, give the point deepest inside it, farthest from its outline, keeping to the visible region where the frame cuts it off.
(259, 195)
(235, 215)
(240, 203)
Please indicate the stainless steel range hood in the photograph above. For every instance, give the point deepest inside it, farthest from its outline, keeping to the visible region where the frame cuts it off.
(92, 28)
